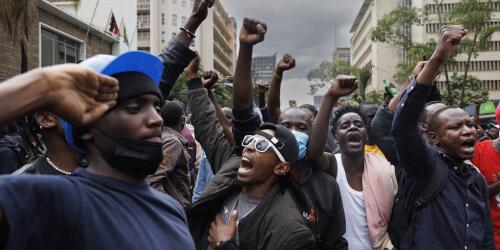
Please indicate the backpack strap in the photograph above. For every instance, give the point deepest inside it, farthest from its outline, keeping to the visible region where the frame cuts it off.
(435, 185)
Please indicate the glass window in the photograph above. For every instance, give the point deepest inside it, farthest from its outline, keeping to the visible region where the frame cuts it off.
(174, 20)
(163, 36)
(183, 3)
(183, 21)
(58, 49)
(162, 18)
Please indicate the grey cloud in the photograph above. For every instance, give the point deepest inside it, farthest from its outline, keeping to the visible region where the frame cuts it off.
(303, 28)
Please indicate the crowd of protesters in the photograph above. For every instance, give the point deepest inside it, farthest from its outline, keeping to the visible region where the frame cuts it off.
(94, 157)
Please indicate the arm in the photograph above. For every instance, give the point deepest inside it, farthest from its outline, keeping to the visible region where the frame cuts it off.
(210, 78)
(262, 90)
(477, 108)
(286, 63)
(177, 55)
(77, 94)
(245, 120)
(416, 157)
(208, 129)
(343, 85)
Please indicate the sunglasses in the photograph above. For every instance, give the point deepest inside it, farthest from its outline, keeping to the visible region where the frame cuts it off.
(262, 145)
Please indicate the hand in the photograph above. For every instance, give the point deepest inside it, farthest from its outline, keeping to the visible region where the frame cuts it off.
(252, 32)
(209, 79)
(418, 68)
(79, 94)
(343, 85)
(449, 38)
(263, 87)
(200, 9)
(191, 70)
(219, 231)
(286, 63)
(477, 103)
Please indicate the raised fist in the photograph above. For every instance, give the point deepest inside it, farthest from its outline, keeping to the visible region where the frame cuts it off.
(191, 70)
(252, 32)
(450, 37)
(209, 79)
(343, 85)
(263, 87)
(286, 63)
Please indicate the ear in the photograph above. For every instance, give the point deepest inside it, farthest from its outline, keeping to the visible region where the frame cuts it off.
(433, 138)
(282, 169)
(423, 127)
(46, 120)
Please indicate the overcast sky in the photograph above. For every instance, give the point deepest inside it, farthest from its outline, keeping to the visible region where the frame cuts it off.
(303, 28)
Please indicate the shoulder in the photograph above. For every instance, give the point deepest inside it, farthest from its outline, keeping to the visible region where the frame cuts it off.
(25, 186)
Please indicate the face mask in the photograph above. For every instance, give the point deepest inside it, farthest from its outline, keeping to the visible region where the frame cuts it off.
(302, 139)
(136, 157)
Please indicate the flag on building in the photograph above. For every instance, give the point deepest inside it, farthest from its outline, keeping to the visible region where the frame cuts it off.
(113, 25)
(124, 33)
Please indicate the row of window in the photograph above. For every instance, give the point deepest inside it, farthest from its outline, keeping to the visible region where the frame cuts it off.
(145, 36)
(446, 7)
(476, 66)
(183, 2)
(435, 27)
(486, 84)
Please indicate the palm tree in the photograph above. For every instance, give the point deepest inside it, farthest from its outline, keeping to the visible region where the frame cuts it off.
(18, 16)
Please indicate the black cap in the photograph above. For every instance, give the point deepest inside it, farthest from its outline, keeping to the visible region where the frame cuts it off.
(172, 112)
(283, 140)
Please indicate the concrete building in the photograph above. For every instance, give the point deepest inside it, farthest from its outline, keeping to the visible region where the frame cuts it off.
(381, 57)
(342, 54)
(57, 37)
(384, 58)
(263, 68)
(124, 11)
(160, 20)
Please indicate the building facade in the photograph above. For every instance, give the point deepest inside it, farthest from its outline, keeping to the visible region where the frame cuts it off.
(98, 13)
(57, 37)
(342, 54)
(384, 58)
(263, 68)
(160, 20)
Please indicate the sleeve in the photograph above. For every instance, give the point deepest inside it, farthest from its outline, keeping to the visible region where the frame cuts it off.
(245, 122)
(171, 153)
(32, 204)
(207, 127)
(8, 161)
(175, 58)
(333, 237)
(416, 157)
(380, 133)
(297, 239)
(488, 240)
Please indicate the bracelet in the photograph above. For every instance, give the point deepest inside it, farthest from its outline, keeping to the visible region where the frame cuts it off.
(189, 33)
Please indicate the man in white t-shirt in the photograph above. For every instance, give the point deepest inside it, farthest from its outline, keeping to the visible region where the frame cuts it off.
(367, 184)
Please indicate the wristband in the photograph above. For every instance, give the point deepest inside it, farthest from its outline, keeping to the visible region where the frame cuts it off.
(189, 33)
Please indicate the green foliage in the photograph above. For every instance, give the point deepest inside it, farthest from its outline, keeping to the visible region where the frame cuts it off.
(392, 28)
(473, 89)
(222, 93)
(327, 71)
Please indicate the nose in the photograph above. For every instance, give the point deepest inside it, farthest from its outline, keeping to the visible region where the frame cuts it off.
(154, 119)
(469, 130)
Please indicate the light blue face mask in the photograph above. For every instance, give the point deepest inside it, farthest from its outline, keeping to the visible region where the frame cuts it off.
(303, 140)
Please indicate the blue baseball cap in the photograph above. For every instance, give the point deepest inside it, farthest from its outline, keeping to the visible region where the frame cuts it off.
(138, 73)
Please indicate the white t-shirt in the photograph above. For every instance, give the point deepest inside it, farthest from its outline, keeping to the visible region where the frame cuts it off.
(356, 233)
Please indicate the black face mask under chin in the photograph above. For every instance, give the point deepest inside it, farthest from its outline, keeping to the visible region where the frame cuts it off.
(136, 157)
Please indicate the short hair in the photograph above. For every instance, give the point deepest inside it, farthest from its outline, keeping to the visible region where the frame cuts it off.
(422, 118)
(433, 120)
(342, 111)
(311, 108)
(306, 111)
(172, 113)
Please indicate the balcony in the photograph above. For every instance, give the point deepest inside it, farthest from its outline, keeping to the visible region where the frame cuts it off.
(142, 7)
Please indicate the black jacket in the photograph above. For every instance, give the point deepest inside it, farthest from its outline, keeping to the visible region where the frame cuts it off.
(276, 223)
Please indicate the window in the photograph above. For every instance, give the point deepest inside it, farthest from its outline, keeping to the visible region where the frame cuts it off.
(193, 43)
(183, 3)
(58, 49)
(143, 19)
(143, 35)
(163, 36)
(174, 20)
(183, 21)
(192, 3)
(174, 34)
(162, 18)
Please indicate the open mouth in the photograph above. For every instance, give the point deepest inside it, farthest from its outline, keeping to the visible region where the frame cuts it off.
(468, 145)
(246, 163)
(354, 137)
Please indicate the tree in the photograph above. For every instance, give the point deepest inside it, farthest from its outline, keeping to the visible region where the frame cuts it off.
(474, 15)
(19, 16)
(327, 71)
(473, 90)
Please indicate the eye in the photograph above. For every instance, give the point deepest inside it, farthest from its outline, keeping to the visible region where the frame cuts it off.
(287, 125)
(133, 109)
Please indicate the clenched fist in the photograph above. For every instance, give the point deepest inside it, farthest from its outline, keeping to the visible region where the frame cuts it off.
(252, 32)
